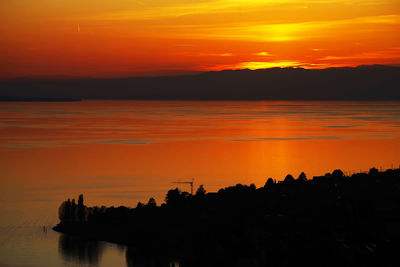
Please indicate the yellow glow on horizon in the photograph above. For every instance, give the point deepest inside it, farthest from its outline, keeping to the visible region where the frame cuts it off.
(266, 65)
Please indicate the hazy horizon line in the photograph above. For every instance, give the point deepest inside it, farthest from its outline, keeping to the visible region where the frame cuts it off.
(176, 73)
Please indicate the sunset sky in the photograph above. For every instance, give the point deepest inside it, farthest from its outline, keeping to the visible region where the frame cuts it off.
(103, 38)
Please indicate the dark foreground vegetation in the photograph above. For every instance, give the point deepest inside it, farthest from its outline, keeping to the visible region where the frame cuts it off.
(331, 220)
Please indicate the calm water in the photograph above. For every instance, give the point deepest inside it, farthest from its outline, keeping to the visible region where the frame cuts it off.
(121, 152)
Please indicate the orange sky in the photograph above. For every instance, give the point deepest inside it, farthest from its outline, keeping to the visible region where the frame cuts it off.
(142, 37)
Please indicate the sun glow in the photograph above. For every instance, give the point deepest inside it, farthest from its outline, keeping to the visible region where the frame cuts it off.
(266, 65)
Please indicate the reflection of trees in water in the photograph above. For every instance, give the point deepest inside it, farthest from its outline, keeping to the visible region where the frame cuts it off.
(140, 257)
(136, 259)
(78, 250)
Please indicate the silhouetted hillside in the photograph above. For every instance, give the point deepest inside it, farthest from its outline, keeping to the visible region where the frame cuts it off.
(360, 83)
(38, 99)
(332, 220)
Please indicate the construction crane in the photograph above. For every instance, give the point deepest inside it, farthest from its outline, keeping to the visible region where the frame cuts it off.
(187, 182)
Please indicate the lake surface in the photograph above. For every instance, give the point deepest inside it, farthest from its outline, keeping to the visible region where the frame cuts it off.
(121, 152)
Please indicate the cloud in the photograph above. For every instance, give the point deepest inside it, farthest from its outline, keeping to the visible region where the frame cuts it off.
(20, 146)
(156, 10)
(365, 55)
(264, 54)
(200, 54)
(340, 126)
(296, 138)
(123, 141)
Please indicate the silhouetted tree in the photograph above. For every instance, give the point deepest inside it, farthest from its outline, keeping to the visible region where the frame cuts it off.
(81, 209)
(173, 197)
(139, 205)
(70, 212)
(289, 178)
(73, 211)
(337, 173)
(302, 177)
(269, 183)
(64, 211)
(80, 200)
(184, 195)
(252, 187)
(373, 171)
(152, 203)
(200, 191)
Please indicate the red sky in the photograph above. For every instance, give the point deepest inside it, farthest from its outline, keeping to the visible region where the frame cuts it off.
(103, 38)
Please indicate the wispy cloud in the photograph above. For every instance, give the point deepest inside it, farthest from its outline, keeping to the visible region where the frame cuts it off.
(264, 54)
(365, 55)
(295, 138)
(340, 126)
(121, 141)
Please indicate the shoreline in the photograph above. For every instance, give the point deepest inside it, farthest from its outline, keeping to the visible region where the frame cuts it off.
(356, 218)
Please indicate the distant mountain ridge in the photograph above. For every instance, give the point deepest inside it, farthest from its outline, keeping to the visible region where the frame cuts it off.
(375, 82)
